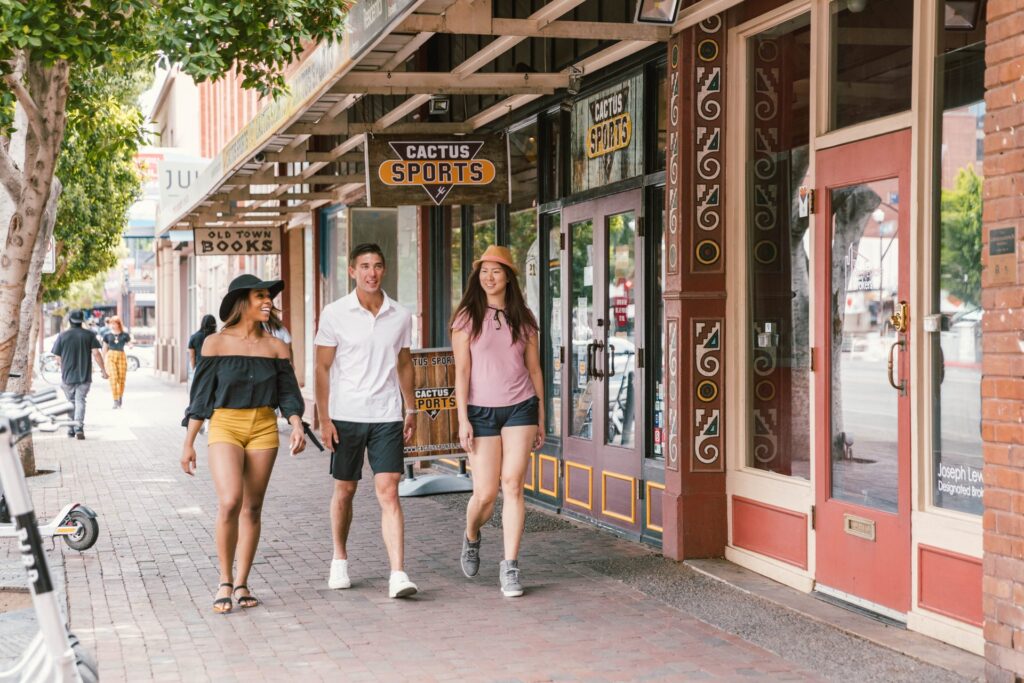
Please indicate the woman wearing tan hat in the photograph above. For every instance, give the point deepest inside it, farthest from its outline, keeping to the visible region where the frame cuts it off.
(243, 375)
(117, 363)
(499, 392)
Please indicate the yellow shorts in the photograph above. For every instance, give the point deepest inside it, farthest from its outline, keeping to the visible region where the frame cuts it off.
(249, 428)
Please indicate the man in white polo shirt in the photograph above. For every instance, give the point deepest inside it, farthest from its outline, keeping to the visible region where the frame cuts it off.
(364, 374)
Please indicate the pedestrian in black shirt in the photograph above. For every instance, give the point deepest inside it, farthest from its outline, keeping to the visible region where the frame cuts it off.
(75, 348)
(244, 374)
(195, 343)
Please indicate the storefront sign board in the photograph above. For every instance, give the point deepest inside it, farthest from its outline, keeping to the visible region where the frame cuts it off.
(607, 127)
(437, 424)
(237, 241)
(404, 170)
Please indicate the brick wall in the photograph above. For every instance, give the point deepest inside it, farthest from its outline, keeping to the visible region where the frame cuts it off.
(1003, 340)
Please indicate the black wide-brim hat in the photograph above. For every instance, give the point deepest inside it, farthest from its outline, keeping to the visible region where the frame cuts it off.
(241, 285)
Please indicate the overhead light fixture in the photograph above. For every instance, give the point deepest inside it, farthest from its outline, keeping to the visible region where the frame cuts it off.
(656, 11)
(962, 15)
(575, 80)
(439, 104)
(856, 6)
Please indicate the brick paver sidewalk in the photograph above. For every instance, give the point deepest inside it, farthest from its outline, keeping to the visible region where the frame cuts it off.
(141, 598)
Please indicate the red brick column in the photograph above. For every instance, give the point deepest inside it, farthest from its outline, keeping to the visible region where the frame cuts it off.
(1003, 340)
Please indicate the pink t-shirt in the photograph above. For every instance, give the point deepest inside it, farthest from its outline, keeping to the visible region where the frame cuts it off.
(498, 376)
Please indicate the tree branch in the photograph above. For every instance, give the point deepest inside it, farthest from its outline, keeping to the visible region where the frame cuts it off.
(11, 178)
(35, 118)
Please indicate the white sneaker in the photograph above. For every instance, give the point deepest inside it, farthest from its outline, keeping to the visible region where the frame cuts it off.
(399, 586)
(339, 575)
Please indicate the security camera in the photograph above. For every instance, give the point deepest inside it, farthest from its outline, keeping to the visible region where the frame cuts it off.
(259, 157)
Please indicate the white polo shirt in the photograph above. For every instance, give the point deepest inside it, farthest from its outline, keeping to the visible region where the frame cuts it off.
(364, 375)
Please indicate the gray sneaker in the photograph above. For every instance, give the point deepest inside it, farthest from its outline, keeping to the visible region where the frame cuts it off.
(511, 587)
(470, 559)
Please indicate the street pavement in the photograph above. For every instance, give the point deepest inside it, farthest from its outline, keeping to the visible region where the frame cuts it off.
(141, 598)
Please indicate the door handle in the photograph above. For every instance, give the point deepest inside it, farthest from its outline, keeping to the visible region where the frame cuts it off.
(590, 360)
(902, 386)
(900, 318)
(598, 371)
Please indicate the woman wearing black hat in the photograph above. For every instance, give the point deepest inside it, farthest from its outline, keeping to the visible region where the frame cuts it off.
(243, 375)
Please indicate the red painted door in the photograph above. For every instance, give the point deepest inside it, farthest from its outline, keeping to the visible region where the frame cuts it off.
(862, 254)
(602, 381)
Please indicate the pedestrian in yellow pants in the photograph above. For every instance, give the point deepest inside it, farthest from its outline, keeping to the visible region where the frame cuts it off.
(117, 363)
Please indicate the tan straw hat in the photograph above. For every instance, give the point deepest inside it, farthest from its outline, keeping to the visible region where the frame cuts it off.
(497, 254)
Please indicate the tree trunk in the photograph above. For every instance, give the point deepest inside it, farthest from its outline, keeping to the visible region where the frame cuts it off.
(29, 324)
(22, 361)
(48, 87)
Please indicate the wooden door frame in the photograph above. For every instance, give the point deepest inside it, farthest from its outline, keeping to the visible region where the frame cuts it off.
(890, 156)
(597, 210)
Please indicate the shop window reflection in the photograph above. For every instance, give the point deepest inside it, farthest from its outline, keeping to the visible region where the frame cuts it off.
(956, 288)
(552, 330)
(778, 343)
(871, 59)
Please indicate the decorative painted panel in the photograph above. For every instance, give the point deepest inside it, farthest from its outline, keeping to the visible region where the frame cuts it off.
(707, 395)
(709, 115)
(672, 423)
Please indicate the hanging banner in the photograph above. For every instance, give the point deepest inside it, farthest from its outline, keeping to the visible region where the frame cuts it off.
(404, 170)
(237, 241)
(437, 423)
(606, 143)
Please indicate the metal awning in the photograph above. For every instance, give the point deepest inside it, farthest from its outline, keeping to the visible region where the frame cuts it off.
(268, 175)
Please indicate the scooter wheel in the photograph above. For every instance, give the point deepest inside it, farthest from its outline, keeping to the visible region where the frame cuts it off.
(86, 534)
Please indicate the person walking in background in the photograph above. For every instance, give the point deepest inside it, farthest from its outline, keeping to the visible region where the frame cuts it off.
(275, 326)
(364, 374)
(243, 374)
(75, 349)
(499, 393)
(114, 342)
(207, 326)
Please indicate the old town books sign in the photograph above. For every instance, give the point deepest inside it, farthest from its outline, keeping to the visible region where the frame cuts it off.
(237, 241)
(435, 170)
(607, 126)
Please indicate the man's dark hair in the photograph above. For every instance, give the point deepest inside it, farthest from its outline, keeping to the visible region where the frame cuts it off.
(366, 248)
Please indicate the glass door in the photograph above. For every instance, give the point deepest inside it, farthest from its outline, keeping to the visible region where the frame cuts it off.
(863, 480)
(603, 319)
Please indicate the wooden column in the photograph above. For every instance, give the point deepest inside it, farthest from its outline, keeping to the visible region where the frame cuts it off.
(695, 519)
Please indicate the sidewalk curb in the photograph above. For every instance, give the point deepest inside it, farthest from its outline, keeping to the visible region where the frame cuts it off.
(908, 643)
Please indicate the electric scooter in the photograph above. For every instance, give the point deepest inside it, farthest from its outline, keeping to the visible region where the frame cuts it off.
(53, 654)
(75, 523)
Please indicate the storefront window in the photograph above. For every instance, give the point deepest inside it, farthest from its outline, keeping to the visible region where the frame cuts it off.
(334, 248)
(455, 213)
(956, 288)
(523, 234)
(484, 229)
(778, 367)
(552, 329)
(871, 59)
(657, 338)
(661, 116)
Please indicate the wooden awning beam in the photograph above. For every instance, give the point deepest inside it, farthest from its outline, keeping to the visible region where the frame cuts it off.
(533, 28)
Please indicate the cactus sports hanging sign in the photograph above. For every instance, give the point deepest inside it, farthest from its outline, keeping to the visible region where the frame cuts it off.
(436, 170)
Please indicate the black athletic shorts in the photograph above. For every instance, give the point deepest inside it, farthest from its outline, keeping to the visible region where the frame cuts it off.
(383, 441)
(489, 421)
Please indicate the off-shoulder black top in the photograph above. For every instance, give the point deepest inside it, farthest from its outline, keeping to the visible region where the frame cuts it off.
(243, 382)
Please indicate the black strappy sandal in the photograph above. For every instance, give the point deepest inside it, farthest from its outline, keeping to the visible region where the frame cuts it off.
(246, 601)
(223, 605)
